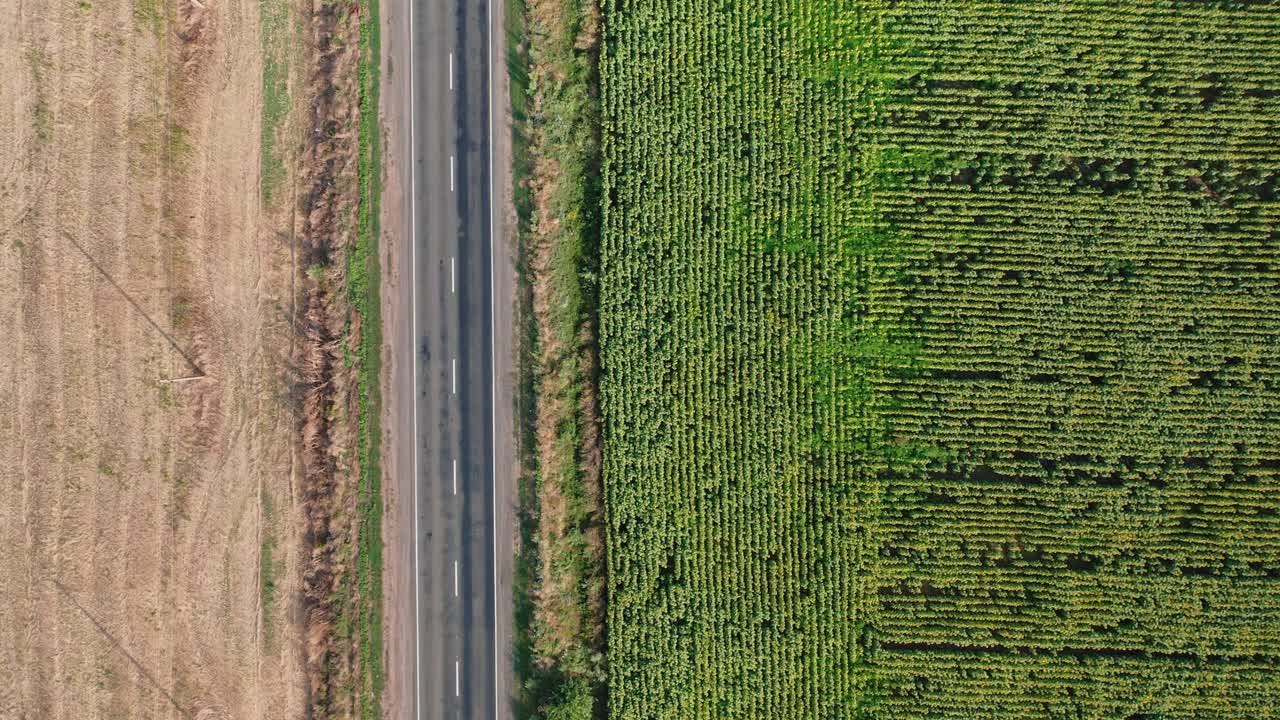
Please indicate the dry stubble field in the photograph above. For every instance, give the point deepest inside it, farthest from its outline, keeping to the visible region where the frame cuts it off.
(146, 569)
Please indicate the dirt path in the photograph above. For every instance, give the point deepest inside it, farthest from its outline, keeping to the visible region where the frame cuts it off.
(148, 559)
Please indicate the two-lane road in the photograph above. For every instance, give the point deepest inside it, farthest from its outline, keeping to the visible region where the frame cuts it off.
(456, 658)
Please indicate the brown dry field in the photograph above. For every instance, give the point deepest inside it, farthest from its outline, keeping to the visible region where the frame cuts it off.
(134, 249)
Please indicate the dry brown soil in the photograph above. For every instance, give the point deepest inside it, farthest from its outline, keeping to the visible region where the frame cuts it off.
(135, 251)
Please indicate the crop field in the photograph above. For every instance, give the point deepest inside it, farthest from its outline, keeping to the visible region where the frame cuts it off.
(940, 350)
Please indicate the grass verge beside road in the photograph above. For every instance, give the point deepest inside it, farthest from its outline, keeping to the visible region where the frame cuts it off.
(559, 577)
(363, 274)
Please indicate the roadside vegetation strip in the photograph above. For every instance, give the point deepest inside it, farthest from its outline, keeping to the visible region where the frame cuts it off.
(339, 362)
(938, 347)
(559, 581)
(364, 276)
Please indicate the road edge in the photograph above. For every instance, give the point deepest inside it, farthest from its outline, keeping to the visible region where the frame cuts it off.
(503, 268)
(397, 408)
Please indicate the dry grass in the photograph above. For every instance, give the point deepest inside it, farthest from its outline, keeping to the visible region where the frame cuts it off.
(131, 225)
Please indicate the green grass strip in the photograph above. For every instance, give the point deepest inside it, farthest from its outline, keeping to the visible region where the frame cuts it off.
(363, 275)
(276, 41)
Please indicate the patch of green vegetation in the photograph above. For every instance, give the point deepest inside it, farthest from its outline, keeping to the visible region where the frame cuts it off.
(181, 478)
(41, 115)
(276, 41)
(43, 121)
(551, 60)
(316, 272)
(107, 678)
(524, 581)
(363, 275)
(267, 565)
(179, 144)
(149, 15)
(180, 313)
(518, 78)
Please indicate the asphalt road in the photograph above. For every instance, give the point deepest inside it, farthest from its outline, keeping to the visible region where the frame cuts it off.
(457, 655)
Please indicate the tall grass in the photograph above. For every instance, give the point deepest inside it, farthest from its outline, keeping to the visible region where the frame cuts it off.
(559, 570)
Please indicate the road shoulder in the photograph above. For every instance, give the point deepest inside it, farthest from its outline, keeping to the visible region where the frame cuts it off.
(397, 373)
(506, 460)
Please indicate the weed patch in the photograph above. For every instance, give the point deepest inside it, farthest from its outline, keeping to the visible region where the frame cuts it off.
(276, 41)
